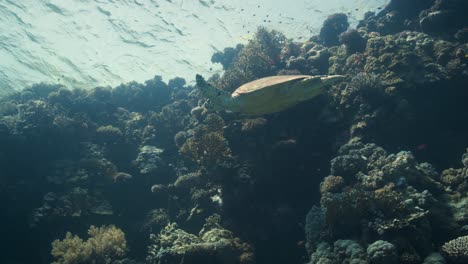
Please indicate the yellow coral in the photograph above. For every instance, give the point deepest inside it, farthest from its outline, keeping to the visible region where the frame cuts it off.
(105, 244)
(70, 250)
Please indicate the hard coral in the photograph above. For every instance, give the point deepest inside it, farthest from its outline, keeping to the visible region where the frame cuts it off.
(259, 58)
(456, 250)
(208, 144)
(106, 243)
(227, 56)
(332, 184)
(332, 27)
(382, 252)
(353, 41)
(149, 159)
(314, 226)
(214, 244)
(109, 134)
(311, 58)
(342, 251)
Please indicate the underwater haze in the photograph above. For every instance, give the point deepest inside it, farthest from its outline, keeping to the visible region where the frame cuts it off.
(246, 132)
(91, 43)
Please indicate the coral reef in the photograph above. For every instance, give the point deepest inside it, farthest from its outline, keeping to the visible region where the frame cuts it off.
(456, 250)
(343, 251)
(368, 173)
(259, 58)
(332, 27)
(104, 245)
(382, 252)
(213, 244)
(208, 146)
(389, 194)
(353, 41)
(149, 159)
(227, 56)
(75, 203)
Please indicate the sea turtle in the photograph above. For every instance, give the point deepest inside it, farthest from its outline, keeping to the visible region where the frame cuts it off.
(266, 95)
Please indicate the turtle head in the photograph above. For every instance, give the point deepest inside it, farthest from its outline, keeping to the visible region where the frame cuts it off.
(217, 99)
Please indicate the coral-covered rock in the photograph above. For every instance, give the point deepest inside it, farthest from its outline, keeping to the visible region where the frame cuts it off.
(342, 251)
(213, 244)
(149, 159)
(314, 226)
(353, 41)
(259, 58)
(332, 184)
(382, 252)
(227, 56)
(434, 258)
(332, 27)
(104, 245)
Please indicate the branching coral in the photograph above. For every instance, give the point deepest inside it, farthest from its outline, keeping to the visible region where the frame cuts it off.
(457, 249)
(106, 243)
